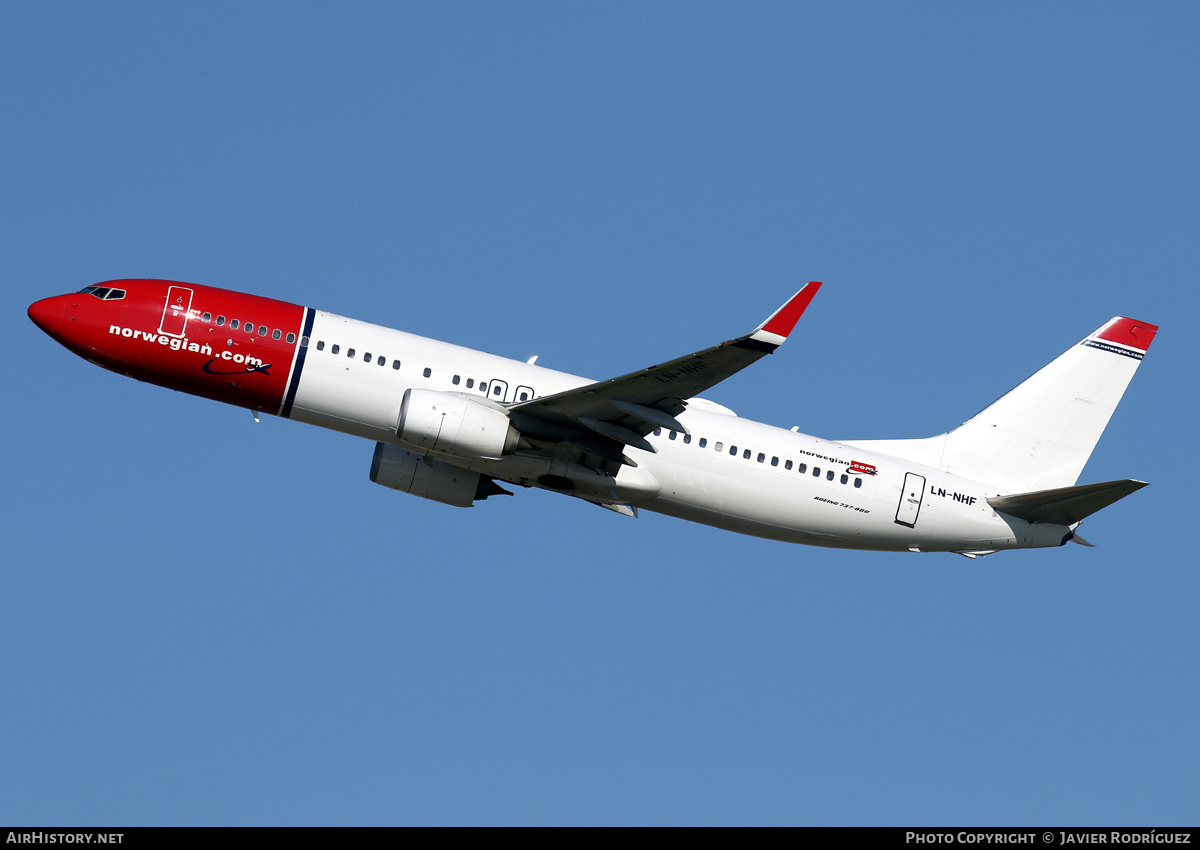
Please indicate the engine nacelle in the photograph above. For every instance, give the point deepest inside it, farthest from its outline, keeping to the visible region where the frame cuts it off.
(451, 424)
(429, 478)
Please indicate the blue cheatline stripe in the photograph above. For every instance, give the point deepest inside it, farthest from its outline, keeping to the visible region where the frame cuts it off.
(309, 315)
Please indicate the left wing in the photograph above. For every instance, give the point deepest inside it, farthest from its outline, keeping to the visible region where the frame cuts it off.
(604, 417)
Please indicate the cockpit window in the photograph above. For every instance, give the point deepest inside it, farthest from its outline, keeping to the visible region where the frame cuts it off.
(103, 292)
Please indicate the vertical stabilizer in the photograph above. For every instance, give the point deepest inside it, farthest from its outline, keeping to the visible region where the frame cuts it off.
(1040, 435)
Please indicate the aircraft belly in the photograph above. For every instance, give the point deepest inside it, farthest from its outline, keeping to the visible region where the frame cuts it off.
(760, 502)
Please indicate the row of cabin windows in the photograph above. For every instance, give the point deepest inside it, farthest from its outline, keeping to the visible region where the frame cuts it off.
(497, 389)
(762, 457)
(351, 353)
(248, 327)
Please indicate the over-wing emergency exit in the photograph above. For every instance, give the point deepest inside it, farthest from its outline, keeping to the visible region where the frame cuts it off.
(453, 424)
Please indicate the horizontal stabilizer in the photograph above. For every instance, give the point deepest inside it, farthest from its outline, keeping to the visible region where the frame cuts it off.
(1066, 505)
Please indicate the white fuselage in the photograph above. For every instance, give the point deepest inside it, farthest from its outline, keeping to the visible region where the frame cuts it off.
(727, 472)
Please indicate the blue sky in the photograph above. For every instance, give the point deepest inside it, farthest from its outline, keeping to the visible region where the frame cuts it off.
(208, 621)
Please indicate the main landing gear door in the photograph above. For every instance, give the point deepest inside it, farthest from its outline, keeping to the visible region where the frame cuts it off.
(910, 499)
(175, 313)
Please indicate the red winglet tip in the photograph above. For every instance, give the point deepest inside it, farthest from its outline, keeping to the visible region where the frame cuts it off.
(1129, 332)
(785, 317)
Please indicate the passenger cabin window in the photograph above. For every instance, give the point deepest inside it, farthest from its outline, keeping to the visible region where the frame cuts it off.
(845, 478)
(671, 435)
(335, 348)
(207, 317)
(395, 364)
(496, 390)
(733, 450)
(704, 442)
(787, 464)
(687, 438)
(816, 472)
(829, 475)
(292, 338)
(717, 447)
(470, 383)
(427, 372)
(276, 334)
(262, 331)
(774, 461)
(762, 457)
(367, 357)
(220, 321)
(857, 482)
(350, 353)
(233, 324)
(524, 396)
(746, 454)
(381, 361)
(455, 380)
(320, 345)
(249, 328)
(658, 432)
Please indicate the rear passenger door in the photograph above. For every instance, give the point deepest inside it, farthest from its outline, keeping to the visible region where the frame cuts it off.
(910, 499)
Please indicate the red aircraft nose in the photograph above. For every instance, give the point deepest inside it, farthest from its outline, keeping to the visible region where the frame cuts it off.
(47, 314)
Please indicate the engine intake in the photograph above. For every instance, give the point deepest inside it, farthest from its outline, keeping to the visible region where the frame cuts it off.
(451, 424)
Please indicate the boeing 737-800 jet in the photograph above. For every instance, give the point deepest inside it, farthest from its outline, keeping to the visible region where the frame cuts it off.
(449, 422)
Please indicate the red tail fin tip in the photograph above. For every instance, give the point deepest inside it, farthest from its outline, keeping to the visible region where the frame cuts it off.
(1128, 332)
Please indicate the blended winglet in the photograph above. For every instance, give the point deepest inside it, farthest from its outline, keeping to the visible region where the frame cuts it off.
(776, 328)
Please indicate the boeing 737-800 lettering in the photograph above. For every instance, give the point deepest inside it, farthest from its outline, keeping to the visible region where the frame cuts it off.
(450, 423)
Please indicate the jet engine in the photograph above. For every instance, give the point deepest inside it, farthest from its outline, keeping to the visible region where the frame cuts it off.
(451, 424)
(430, 478)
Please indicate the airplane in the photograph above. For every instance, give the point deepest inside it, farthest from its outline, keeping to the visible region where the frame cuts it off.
(451, 423)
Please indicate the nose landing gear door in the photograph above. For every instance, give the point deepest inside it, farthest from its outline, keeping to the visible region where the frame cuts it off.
(910, 499)
(175, 312)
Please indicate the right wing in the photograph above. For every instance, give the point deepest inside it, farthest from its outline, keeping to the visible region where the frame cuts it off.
(603, 417)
